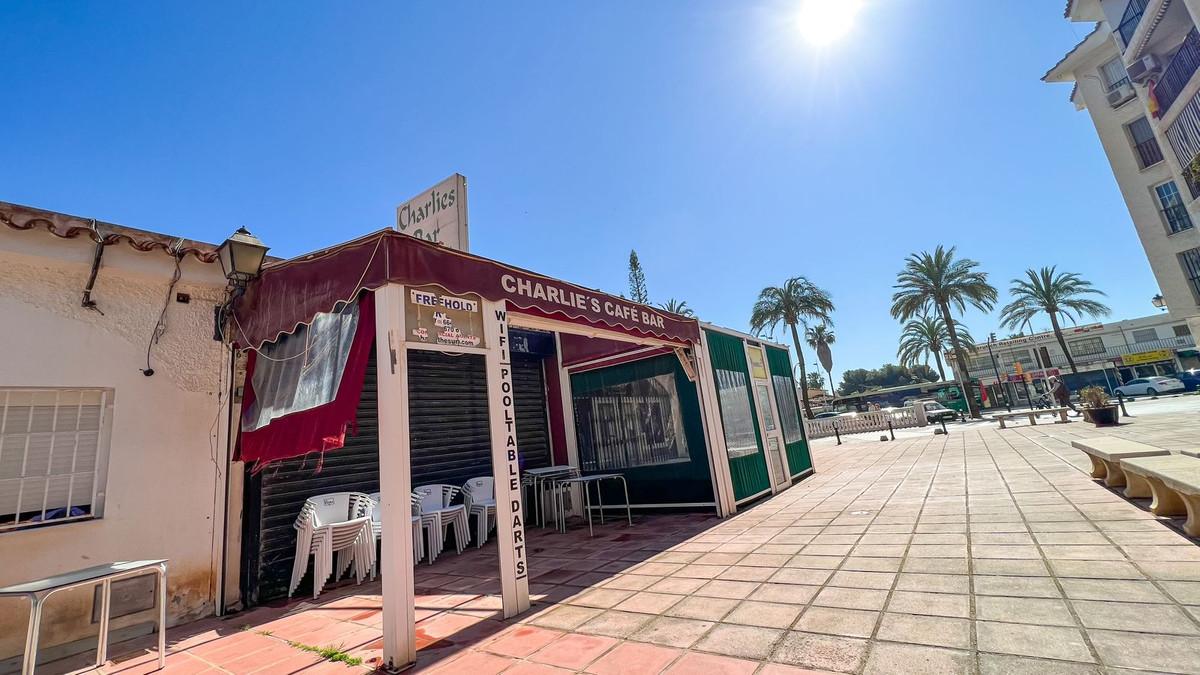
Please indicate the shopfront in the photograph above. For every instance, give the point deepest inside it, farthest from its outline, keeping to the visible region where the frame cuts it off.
(1146, 364)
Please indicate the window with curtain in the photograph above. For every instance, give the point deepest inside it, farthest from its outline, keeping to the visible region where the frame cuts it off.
(785, 394)
(733, 394)
(1114, 74)
(630, 425)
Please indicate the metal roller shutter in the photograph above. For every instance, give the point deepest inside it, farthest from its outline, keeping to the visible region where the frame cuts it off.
(533, 431)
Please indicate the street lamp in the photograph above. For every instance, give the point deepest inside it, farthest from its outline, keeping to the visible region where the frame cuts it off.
(241, 257)
(996, 370)
(1159, 302)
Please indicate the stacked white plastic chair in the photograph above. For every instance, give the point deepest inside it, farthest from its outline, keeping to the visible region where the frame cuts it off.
(438, 514)
(377, 528)
(479, 496)
(340, 523)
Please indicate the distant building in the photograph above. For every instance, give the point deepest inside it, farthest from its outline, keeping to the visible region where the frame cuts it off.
(1135, 74)
(1105, 354)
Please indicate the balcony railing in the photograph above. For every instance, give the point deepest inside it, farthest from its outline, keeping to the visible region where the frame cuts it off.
(1110, 353)
(1148, 152)
(1178, 72)
(1177, 218)
(1130, 20)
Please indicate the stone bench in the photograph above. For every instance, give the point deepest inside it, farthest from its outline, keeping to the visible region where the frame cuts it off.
(1106, 453)
(1032, 415)
(1173, 483)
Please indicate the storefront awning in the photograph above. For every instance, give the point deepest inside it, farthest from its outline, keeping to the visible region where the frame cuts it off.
(292, 292)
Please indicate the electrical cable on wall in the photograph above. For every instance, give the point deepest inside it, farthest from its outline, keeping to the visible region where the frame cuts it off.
(160, 328)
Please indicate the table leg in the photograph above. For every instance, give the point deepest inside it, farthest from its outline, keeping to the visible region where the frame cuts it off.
(628, 508)
(587, 500)
(31, 636)
(600, 499)
(105, 606)
(162, 615)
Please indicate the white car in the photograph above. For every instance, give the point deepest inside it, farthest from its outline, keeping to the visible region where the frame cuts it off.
(1150, 386)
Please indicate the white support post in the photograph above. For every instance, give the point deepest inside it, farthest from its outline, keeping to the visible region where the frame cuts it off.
(711, 410)
(395, 481)
(510, 515)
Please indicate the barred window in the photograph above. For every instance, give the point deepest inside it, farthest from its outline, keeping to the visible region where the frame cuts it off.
(53, 454)
(1086, 346)
(1190, 259)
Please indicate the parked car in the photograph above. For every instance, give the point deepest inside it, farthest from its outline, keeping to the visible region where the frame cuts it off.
(827, 413)
(1190, 379)
(1150, 386)
(936, 412)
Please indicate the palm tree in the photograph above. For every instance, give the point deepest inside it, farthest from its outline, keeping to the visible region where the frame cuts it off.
(933, 283)
(797, 301)
(679, 307)
(819, 337)
(927, 335)
(1055, 293)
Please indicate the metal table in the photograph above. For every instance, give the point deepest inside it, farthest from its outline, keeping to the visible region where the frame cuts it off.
(538, 479)
(558, 490)
(39, 591)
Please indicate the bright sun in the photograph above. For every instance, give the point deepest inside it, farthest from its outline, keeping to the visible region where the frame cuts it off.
(822, 22)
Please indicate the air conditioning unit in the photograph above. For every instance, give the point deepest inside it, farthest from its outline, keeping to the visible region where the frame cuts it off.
(1144, 68)
(1120, 94)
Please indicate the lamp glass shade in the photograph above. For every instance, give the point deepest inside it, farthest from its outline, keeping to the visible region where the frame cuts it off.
(1157, 301)
(241, 256)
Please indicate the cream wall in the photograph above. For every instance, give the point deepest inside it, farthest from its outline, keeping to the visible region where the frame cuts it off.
(164, 487)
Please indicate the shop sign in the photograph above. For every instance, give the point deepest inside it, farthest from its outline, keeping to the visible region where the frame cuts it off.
(600, 306)
(438, 214)
(1147, 357)
(432, 317)
(512, 468)
(758, 368)
(1032, 375)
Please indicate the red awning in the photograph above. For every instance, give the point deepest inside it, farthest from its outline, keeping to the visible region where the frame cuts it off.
(291, 293)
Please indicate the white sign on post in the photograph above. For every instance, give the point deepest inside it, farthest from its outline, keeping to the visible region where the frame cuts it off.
(438, 214)
(506, 468)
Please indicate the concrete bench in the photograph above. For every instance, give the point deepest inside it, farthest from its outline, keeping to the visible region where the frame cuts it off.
(1032, 415)
(1106, 454)
(1173, 483)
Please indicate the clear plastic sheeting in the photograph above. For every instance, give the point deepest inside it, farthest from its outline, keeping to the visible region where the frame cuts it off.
(785, 394)
(733, 392)
(630, 425)
(302, 370)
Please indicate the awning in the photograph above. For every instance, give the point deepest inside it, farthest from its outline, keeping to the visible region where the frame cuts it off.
(291, 293)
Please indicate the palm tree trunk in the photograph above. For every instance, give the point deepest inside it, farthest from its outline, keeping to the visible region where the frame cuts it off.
(803, 372)
(961, 358)
(1061, 341)
(830, 374)
(937, 358)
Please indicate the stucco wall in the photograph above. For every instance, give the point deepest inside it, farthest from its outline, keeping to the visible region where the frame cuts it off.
(163, 488)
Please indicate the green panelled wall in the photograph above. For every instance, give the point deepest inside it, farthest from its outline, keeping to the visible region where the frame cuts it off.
(676, 483)
(799, 458)
(749, 473)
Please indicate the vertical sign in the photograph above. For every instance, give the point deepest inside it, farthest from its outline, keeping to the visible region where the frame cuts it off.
(438, 214)
(506, 468)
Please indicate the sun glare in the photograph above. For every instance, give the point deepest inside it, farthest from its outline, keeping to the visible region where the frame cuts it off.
(823, 22)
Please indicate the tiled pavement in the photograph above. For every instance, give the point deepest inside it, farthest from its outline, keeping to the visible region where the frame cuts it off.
(984, 551)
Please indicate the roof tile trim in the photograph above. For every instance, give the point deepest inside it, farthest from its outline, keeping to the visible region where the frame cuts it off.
(140, 244)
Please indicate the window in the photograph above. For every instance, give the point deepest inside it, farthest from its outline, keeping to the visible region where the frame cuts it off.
(630, 425)
(733, 393)
(1020, 356)
(1144, 143)
(1181, 330)
(53, 454)
(764, 404)
(789, 415)
(1145, 335)
(1190, 259)
(1114, 74)
(1086, 346)
(1171, 205)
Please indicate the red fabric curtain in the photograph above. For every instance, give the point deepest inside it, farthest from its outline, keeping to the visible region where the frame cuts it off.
(319, 429)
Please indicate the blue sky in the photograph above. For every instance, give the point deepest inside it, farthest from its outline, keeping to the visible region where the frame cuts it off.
(705, 134)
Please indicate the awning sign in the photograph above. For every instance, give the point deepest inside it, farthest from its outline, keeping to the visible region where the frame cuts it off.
(438, 214)
(1147, 357)
(604, 307)
(434, 318)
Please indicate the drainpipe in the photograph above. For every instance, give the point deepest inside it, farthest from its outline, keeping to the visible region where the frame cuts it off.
(221, 600)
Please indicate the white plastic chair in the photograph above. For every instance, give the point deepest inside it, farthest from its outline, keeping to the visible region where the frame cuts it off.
(377, 527)
(479, 496)
(333, 523)
(439, 514)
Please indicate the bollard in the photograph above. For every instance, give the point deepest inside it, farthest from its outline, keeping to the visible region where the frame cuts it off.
(943, 421)
(1121, 402)
(891, 432)
(835, 433)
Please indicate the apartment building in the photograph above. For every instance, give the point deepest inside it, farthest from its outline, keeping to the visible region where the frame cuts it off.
(1105, 354)
(1136, 75)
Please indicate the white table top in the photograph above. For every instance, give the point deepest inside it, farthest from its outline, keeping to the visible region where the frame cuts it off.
(78, 576)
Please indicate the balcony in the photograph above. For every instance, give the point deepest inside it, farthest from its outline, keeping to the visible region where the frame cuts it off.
(1130, 20)
(1148, 153)
(1177, 219)
(1178, 72)
(1112, 352)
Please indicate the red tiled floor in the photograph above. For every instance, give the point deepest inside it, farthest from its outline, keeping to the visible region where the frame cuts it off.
(634, 658)
(573, 650)
(529, 668)
(694, 663)
(777, 669)
(473, 663)
(521, 641)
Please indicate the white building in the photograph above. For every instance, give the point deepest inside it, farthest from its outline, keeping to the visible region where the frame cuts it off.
(1105, 354)
(1135, 74)
(101, 461)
